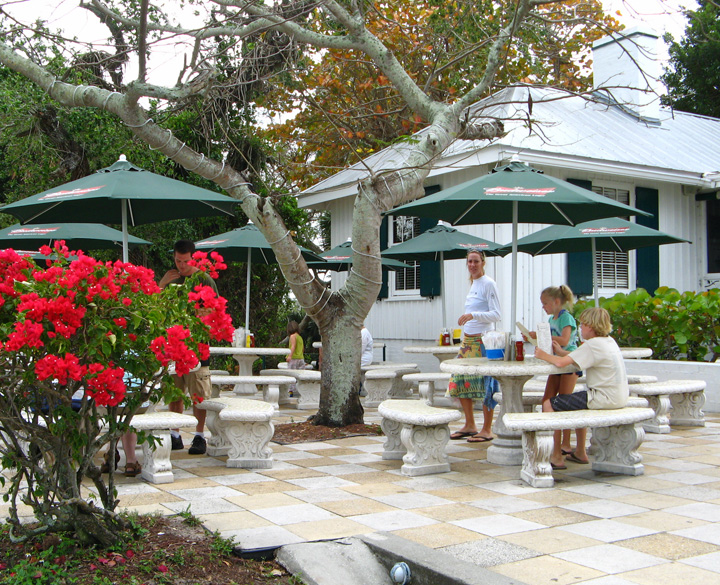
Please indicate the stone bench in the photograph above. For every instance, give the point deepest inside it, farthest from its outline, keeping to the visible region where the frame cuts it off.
(538, 384)
(613, 445)
(531, 400)
(241, 429)
(307, 387)
(385, 381)
(216, 385)
(418, 434)
(270, 386)
(684, 400)
(428, 384)
(156, 466)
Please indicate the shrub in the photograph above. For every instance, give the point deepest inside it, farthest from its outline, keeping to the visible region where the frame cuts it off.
(676, 326)
(105, 335)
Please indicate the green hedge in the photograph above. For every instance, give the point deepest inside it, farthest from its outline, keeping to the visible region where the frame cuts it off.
(677, 326)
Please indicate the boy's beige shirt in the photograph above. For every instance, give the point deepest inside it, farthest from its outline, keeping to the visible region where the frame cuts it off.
(602, 363)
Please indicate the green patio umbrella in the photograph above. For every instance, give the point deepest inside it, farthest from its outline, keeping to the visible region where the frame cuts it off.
(246, 244)
(442, 243)
(77, 236)
(340, 259)
(121, 194)
(602, 235)
(515, 193)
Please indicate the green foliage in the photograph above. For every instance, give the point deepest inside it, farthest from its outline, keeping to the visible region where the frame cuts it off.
(676, 326)
(693, 77)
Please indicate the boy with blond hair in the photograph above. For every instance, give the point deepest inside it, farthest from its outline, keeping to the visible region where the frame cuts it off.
(600, 359)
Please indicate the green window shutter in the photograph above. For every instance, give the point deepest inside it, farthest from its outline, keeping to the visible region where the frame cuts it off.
(579, 264)
(429, 269)
(647, 260)
(383, 294)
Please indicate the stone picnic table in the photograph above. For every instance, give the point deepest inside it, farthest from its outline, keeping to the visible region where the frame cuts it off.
(245, 357)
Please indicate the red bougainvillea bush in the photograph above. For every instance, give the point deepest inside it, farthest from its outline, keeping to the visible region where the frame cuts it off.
(82, 345)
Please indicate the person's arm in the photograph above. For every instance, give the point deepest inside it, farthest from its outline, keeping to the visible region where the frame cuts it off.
(170, 276)
(493, 314)
(293, 342)
(559, 361)
(564, 338)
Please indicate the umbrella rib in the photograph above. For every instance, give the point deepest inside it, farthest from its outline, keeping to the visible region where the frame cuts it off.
(540, 251)
(616, 244)
(468, 210)
(215, 207)
(43, 211)
(560, 211)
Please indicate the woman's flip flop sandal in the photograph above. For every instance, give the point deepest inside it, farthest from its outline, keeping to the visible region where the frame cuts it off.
(457, 435)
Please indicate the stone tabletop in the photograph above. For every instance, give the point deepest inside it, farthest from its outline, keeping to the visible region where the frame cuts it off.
(486, 367)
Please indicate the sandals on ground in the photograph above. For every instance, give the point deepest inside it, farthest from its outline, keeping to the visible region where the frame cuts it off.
(133, 469)
(105, 467)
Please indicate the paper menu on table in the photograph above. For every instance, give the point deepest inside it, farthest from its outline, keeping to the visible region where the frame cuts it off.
(544, 338)
(526, 332)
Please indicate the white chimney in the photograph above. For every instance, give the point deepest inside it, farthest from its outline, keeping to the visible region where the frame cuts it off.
(626, 65)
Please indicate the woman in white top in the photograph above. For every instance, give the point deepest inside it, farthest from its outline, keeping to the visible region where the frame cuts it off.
(482, 311)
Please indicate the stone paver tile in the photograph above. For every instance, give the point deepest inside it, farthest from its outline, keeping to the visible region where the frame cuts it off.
(377, 489)
(547, 571)
(450, 512)
(295, 455)
(320, 482)
(682, 465)
(660, 520)
(212, 471)
(324, 529)
(709, 562)
(232, 521)
(463, 493)
(204, 506)
(472, 455)
(553, 516)
(604, 508)
(372, 477)
(194, 482)
(350, 442)
(708, 533)
(699, 510)
(372, 448)
(671, 573)
(144, 499)
(497, 524)
(412, 500)
(263, 537)
(270, 500)
(609, 558)
(315, 462)
(609, 580)
(386, 465)
(602, 490)
(158, 509)
(514, 487)
(669, 546)
(429, 483)
(440, 535)
(343, 469)
(653, 501)
(197, 463)
(237, 479)
(694, 492)
(488, 552)
(359, 458)
(295, 473)
(608, 530)
(355, 507)
(322, 495)
(475, 478)
(555, 497)
(686, 478)
(294, 514)
(204, 493)
(393, 520)
(507, 504)
(549, 540)
(264, 487)
(646, 483)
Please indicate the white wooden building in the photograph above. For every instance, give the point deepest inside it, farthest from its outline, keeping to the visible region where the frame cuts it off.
(623, 145)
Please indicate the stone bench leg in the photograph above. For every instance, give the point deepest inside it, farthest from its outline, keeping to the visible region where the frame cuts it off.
(271, 394)
(377, 391)
(217, 444)
(615, 449)
(400, 389)
(427, 392)
(537, 449)
(687, 409)
(308, 395)
(284, 395)
(392, 447)
(660, 423)
(156, 466)
(425, 449)
(248, 444)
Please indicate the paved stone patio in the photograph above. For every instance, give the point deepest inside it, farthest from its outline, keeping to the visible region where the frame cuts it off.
(600, 529)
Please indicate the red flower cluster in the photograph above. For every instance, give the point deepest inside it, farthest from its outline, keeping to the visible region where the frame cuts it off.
(174, 348)
(12, 270)
(201, 261)
(61, 312)
(212, 309)
(60, 369)
(105, 385)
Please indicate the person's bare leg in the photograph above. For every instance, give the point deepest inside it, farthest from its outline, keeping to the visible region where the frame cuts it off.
(467, 406)
(566, 385)
(200, 415)
(486, 430)
(556, 458)
(580, 452)
(129, 442)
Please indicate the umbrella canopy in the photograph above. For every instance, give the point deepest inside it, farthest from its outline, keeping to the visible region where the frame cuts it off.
(602, 235)
(246, 244)
(513, 193)
(121, 194)
(77, 236)
(442, 243)
(340, 259)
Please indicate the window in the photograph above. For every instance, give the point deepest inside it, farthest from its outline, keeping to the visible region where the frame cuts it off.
(406, 281)
(713, 236)
(613, 268)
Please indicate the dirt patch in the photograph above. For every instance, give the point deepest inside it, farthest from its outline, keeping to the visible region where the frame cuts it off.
(306, 432)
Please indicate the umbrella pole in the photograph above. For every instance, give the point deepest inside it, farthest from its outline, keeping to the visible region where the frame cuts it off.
(442, 290)
(123, 212)
(513, 300)
(594, 269)
(247, 296)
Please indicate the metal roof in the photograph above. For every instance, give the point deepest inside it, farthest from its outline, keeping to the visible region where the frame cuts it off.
(587, 128)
